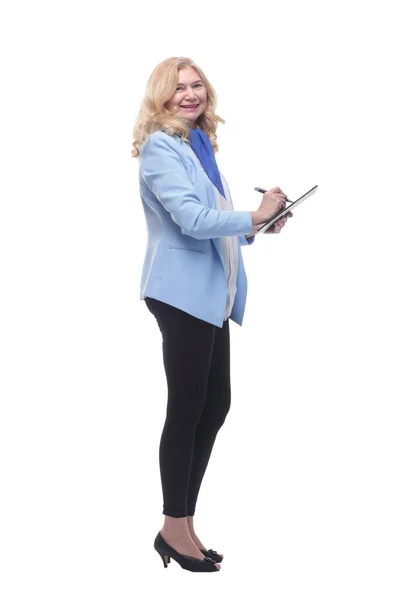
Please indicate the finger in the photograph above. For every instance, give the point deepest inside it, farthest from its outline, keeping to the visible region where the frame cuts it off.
(279, 202)
(277, 190)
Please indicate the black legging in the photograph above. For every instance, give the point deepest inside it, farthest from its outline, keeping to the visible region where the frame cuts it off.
(197, 366)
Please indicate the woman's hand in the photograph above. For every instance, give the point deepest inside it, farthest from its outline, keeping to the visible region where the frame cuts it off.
(277, 226)
(272, 202)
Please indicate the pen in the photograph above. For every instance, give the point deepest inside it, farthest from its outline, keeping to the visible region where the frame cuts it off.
(263, 192)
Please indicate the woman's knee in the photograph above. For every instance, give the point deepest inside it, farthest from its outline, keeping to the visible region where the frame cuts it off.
(218, 407)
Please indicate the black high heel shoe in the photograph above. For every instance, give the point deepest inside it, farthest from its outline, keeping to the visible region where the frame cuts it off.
(190, 563)
(215, 557)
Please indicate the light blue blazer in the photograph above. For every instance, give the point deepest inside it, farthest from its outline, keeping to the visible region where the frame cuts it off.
(183, 264)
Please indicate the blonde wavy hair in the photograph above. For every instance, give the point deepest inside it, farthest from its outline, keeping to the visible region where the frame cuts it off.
(154, 116)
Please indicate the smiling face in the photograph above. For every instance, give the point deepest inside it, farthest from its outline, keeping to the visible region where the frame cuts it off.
(190, 92)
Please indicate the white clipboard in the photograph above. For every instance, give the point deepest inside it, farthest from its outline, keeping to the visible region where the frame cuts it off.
(287, 209)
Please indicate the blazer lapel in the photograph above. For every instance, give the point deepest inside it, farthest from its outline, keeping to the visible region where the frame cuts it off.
(216, 241)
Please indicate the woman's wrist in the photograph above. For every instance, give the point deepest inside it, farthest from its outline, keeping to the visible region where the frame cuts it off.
(257, 218)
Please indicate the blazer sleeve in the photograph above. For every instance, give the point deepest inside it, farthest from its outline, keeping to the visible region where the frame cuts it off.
(246, 241)
(163, 169)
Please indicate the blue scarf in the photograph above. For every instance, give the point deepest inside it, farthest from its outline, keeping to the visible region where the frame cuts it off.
(204, 151)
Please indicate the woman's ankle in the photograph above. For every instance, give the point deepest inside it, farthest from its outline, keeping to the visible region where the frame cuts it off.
(175, 526)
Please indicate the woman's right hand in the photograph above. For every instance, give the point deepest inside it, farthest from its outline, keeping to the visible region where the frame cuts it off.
(272, 202)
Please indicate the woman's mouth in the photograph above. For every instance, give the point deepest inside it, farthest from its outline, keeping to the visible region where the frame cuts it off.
(190, 107)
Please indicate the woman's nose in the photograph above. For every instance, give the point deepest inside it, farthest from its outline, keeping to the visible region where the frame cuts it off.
(190, 96)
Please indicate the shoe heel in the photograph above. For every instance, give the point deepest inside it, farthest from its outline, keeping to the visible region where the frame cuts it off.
(165, 558)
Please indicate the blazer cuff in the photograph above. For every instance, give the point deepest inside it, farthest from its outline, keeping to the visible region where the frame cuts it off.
(246, 241)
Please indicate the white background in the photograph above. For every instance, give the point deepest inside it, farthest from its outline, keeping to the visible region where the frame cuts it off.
(302, 490)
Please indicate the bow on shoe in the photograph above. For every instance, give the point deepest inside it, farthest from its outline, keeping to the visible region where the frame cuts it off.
(213, 554)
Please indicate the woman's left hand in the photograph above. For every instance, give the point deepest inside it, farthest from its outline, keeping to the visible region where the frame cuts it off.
(277, 226)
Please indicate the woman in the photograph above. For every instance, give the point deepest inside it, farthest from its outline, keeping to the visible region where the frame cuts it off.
(193, 281)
